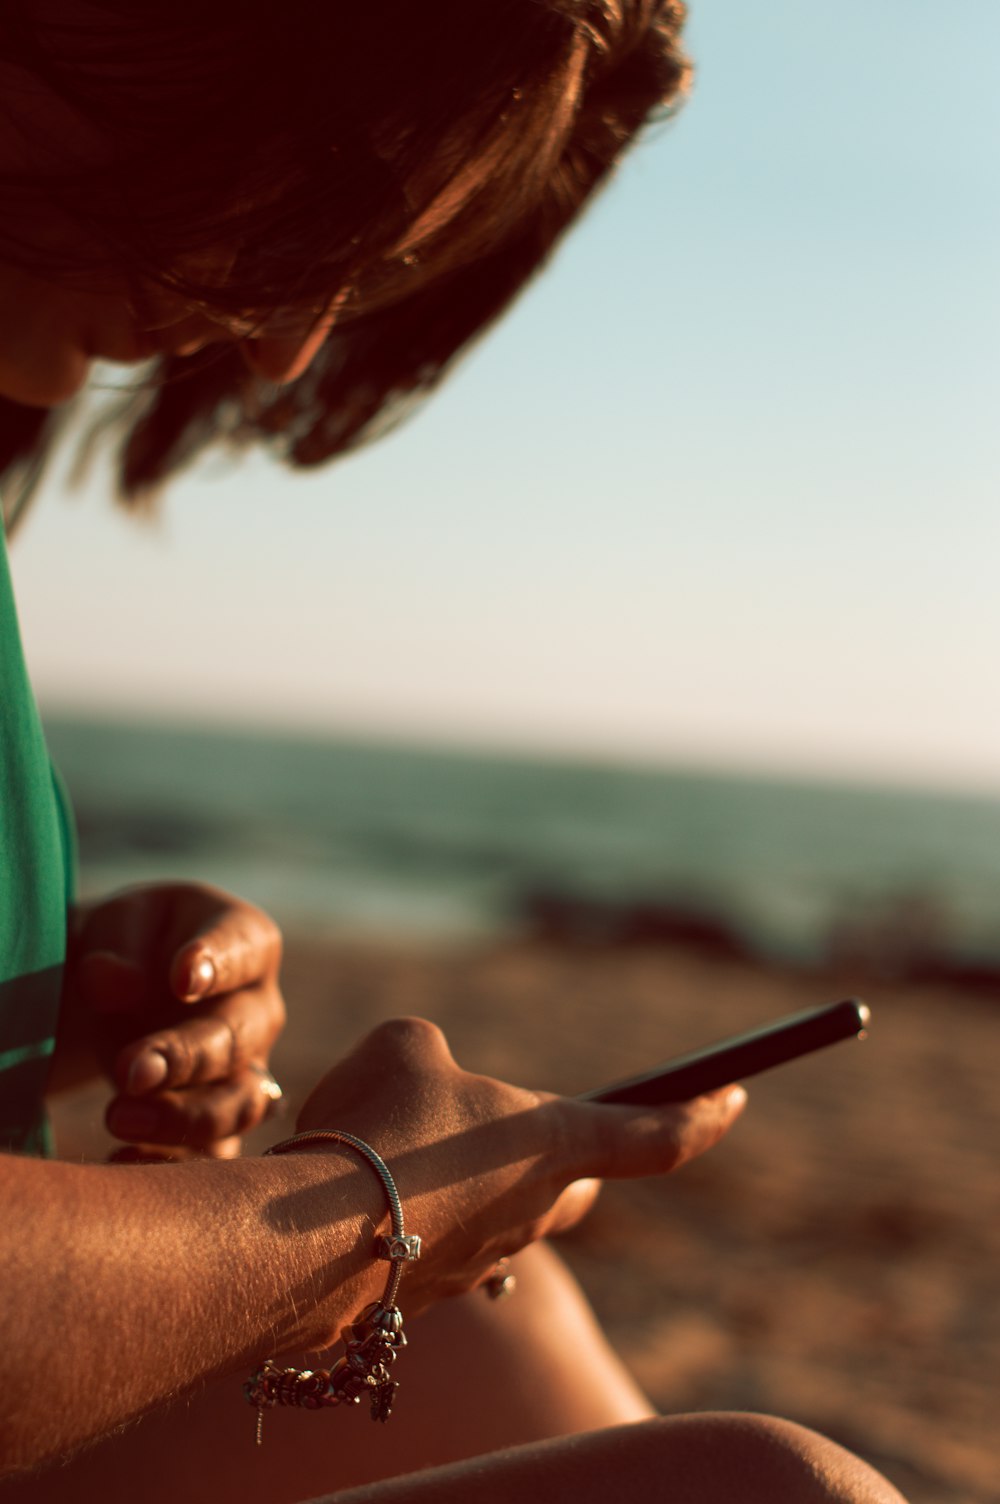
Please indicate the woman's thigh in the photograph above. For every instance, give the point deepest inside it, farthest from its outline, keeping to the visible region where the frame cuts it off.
(476, 1376)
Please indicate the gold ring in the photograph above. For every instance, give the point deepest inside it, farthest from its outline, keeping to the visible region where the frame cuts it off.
(269, 1086)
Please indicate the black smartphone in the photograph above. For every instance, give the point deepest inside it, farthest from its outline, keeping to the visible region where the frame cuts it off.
(743, 1055)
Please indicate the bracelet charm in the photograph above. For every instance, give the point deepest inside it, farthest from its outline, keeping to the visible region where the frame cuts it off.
(371, 1343)
(405, 1248)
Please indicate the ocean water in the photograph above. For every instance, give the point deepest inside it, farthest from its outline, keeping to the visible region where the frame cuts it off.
(388, 839)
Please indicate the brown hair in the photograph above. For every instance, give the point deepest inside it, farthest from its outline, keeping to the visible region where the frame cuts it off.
(419, 161)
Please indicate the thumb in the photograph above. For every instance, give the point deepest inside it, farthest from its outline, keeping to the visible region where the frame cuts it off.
(639, 1141)
(236, 946)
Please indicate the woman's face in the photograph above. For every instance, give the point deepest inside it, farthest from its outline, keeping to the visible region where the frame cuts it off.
(52, 332)
(53, 329)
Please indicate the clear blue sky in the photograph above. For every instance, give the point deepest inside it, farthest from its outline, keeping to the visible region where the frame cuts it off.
(722, 489)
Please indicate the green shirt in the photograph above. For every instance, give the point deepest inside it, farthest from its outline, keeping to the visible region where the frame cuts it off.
(36, 872)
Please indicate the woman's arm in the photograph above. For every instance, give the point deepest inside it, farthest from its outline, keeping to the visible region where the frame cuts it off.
(128, 1284)
(125, 1285)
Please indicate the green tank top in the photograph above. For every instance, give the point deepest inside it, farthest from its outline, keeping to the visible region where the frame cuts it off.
(37, 861)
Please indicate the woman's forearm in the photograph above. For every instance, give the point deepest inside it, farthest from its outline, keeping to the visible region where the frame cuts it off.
(127, 1285)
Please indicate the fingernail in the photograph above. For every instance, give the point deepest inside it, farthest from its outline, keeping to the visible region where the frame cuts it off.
(201, 979)
(132, 1119)
(736, 1099)
(146, 1072)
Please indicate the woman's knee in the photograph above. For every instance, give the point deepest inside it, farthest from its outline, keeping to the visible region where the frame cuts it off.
(763, 1458)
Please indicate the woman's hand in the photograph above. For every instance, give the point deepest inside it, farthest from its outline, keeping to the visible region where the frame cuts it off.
(484, 1168)
(176, 986)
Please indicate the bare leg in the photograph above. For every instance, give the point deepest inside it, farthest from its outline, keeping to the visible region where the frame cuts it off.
(692, 1459)
(477, 1375)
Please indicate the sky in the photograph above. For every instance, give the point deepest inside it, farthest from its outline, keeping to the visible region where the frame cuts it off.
(722, 488)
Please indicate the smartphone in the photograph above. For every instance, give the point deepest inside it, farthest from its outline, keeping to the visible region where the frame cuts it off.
(743, 1055)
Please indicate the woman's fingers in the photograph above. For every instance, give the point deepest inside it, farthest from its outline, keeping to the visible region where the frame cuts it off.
(180, 982)
(210, 1118)
(235, 947)
(214, 1043)
(178, 940)
(618, 1142)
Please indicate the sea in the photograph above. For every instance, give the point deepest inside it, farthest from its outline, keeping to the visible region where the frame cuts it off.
(362, 837)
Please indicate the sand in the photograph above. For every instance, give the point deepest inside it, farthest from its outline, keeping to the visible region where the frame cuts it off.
(834, 1261)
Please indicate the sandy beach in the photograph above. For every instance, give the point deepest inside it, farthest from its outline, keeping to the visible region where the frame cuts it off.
(835, 1261)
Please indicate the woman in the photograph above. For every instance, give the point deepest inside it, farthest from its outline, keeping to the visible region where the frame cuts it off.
(293, 218)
